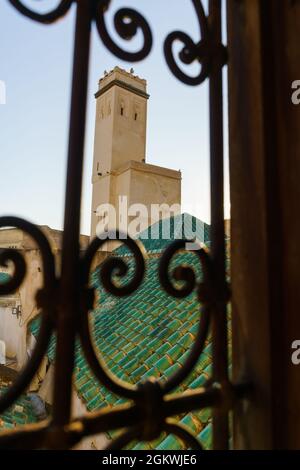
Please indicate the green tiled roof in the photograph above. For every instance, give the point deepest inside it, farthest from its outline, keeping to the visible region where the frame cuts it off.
(4, 277)
(182, 226)
(146, 334)
(20, 413)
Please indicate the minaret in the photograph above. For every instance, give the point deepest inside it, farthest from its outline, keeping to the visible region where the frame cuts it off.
(119, 167)
(121, 113)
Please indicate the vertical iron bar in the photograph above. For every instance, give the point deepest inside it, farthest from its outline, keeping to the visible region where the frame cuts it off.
(219, 320)
(69, 308)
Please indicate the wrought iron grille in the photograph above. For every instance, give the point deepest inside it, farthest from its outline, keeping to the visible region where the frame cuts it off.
(66, 300)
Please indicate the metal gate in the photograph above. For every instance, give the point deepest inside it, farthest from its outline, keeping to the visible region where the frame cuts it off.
(65, 301)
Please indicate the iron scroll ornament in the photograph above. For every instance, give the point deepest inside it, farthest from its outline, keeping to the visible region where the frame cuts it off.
(66, 313)
(148, 425)
(128, 21)
(116, 265)
(45, 299)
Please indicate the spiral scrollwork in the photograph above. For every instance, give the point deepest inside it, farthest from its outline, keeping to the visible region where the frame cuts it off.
(7, 257)
(111, 268)
(116, 266)
(181, 273)
(45, 18)
(16, 258)
(203, 51)
(127, 22)
(187, 276)
(148, 416)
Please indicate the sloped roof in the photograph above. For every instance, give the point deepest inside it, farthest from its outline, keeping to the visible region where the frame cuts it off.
(146, 334)
(156, 237)
(20, 413)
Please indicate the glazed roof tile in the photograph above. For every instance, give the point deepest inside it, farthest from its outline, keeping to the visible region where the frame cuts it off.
(146, 334)
(20, 413)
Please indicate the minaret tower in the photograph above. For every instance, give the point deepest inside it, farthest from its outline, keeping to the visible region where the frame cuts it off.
(119, 167)
(121, 113)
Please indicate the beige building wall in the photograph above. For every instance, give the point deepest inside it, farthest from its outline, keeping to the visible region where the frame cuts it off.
(79, 409)
(11, 334)
(146, 185)
(13, 329)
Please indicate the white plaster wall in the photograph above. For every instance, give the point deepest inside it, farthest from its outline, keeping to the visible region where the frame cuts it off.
(13, 335)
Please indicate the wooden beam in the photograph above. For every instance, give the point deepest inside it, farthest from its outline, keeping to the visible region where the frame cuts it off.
(264, 136)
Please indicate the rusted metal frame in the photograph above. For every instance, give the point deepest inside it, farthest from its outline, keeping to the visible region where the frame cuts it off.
(109, 419)
(70, 285)
(217, 251)
(170, 427)
(74, 298)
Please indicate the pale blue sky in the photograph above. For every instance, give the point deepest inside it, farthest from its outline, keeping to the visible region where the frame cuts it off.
(35, 63)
